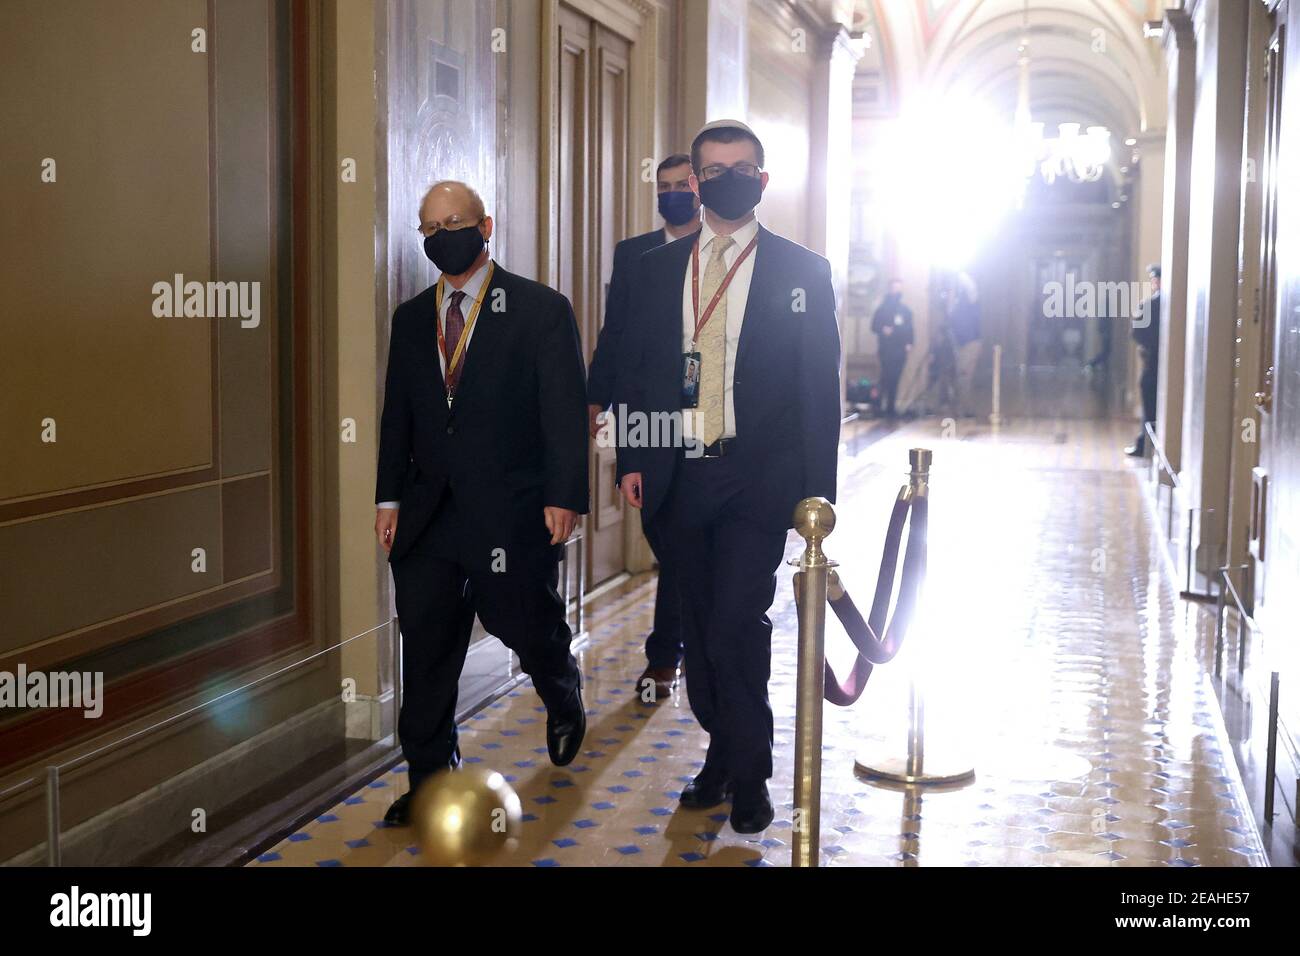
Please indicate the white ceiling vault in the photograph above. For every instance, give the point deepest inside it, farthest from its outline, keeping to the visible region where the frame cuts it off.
(1089, 61)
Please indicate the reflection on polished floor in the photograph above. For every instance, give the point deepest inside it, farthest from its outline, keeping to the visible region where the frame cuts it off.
(1052, 650)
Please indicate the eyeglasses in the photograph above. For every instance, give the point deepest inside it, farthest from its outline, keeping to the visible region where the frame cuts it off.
(427, 229)
(717, 169)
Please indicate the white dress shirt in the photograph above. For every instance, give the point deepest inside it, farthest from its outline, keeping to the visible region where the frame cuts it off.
(737, 298)
(473, 285)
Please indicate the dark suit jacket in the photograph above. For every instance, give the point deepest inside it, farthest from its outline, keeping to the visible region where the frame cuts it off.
(515, 439)
(602, 380)
(1147, 333)
(896, 342)
(786, 387)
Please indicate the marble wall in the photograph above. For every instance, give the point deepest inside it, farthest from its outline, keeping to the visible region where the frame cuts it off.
(440, 120)
(780, 106)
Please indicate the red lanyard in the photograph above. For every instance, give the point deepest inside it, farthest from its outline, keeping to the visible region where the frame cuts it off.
(453, 361)
(702, 320)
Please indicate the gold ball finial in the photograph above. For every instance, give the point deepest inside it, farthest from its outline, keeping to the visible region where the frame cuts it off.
(814, 519)
(465, 817)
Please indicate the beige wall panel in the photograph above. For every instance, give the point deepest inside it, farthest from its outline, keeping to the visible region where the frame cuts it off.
(73, 570)
(123, 110)
(244, 251)
(246, 527)
(247, 403)
(352, 239)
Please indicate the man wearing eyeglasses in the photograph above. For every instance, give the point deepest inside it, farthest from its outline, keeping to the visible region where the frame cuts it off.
(734, 332)
(680, 209)
(483, 454)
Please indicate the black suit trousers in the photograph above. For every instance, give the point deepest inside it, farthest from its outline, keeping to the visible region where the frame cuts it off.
(663, 646)
(725, 560)
(891, 373)
(1147, 386)
(437, 599)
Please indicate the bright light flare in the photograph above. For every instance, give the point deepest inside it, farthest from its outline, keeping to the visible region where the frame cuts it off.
(951, 171)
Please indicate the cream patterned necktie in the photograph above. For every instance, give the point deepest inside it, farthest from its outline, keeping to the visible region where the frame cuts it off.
(713, 344)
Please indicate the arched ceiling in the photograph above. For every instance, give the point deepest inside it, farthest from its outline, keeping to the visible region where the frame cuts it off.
(1089, 61)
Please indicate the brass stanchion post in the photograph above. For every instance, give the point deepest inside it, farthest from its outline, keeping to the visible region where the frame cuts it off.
(916, 766)
(814, 519)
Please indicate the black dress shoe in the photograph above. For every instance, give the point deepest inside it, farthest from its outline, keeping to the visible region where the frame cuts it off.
(751, 809)
(708, 789)
(1135, 450)
(399, 814)
(564, 732)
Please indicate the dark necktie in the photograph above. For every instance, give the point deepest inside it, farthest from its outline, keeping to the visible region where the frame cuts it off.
(455, 328)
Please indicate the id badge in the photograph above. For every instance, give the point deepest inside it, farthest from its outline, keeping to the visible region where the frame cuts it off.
(690, 379)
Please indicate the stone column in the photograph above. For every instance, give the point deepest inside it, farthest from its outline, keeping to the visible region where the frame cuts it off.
(1211, 277)
(1180, 57)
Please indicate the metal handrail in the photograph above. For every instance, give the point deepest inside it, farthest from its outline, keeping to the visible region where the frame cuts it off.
(54, 772)
(20, 785)
(113, 745)
(1161, 462)
(1158, 452)
(1235, 594)
(1226, 589)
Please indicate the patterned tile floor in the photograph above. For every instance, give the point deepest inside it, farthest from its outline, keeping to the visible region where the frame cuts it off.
(1054, 655)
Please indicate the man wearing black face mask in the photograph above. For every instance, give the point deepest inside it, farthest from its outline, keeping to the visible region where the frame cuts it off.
(483, 453)
(733, 332)
(680, 209)
(892, 324)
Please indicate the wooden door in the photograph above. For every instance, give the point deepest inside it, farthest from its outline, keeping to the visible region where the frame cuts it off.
(1056, 340)
(610, 191)
(591, 217)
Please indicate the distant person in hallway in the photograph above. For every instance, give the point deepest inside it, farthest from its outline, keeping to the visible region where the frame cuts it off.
(964, 325)
(680, 209)
(941, 386)
(757, 312)
(1146, 333)
(483, 447)
(892, 325)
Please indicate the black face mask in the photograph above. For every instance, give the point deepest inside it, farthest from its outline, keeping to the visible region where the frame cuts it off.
(677, 208)
(731, 195)
(454, 250)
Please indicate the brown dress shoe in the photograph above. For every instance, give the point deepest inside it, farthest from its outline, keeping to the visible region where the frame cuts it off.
(656, 684)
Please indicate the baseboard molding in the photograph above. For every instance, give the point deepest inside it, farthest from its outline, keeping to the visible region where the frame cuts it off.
(138, 827)
(153, 827)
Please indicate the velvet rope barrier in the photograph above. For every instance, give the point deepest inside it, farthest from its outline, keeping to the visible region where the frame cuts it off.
(877, 642)
(877, 639)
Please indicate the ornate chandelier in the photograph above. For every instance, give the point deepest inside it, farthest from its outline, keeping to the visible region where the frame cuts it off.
(1080, 157)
